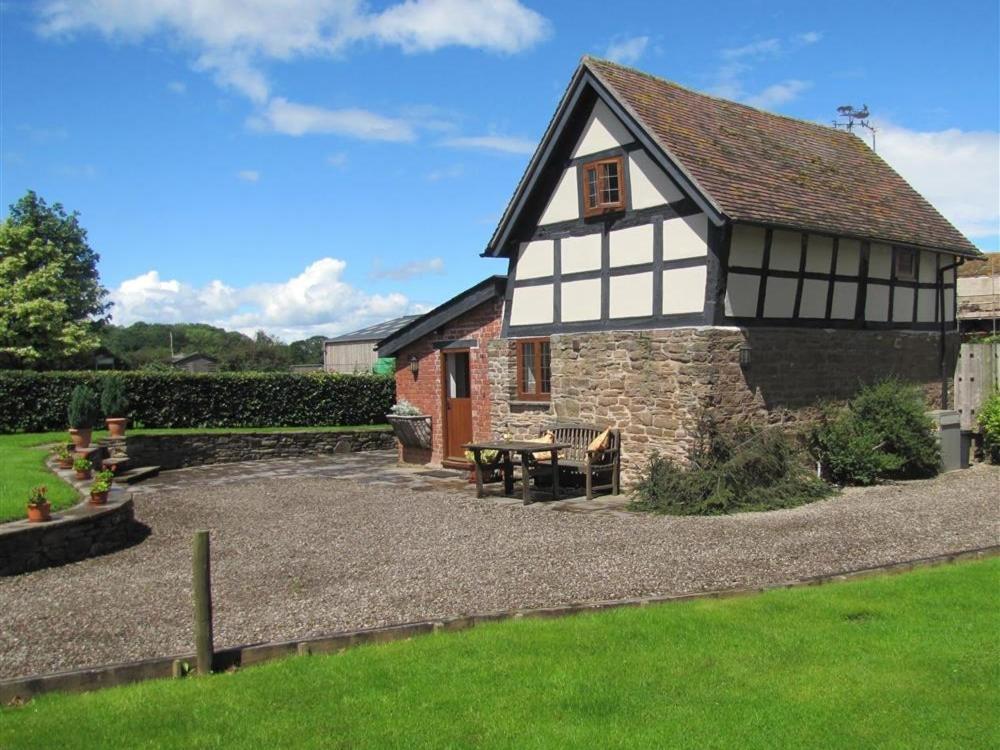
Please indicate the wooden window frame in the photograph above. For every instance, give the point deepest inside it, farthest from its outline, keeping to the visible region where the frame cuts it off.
(899, 253)
(538, 395)
(603, 208)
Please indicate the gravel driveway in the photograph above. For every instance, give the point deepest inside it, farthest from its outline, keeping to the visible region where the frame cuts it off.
(297, 555)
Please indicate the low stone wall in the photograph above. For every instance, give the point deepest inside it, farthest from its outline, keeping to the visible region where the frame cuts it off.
(74, 534)
(178, 451)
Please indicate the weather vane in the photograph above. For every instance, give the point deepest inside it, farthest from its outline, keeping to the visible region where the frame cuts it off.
(855, 116)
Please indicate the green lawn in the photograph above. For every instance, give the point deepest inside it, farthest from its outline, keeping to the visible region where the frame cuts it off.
(22, 462)
(898, 661)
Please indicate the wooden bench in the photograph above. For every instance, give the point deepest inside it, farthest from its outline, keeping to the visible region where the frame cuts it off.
(595, 466)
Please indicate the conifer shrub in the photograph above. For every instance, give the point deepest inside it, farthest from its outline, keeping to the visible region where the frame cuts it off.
(114, 402)
(82, 412)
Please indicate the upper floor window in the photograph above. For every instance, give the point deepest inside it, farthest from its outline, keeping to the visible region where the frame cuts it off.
(603, 186)
(906, 264)
(534, 381)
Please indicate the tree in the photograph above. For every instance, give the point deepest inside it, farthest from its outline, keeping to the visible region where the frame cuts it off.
(51, 299)
(307, 351)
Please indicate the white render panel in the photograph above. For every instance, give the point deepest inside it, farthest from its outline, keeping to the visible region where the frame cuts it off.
(814, 293)
(845, 296)
(684, 290)
(531, 304)
(902, 305)
(949, 304)
(926, 304)
(631, 296)
(580, 300)
(741, 295)
(848, 258)
(581, 253)
(747, 248)
(649, 185)
(928, 267)
(631, 246)
(602, 131)
(877, 303)
(819, 254)
(563, 204)
(779, 300)
(949, 275)
(880, 262)
(786, 250)
(534, 260)
(685, 237)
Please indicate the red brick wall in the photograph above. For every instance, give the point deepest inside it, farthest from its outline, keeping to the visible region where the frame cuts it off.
(424, 391)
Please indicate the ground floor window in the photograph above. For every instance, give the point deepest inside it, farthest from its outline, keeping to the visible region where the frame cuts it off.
(534, 363)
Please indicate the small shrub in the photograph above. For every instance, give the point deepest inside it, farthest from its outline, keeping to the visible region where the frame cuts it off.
(884, 432)
(82, 464)
(989, 423)
(82, 411)
(38, 496)
(747, 470)
(114, 403)
(404, 409)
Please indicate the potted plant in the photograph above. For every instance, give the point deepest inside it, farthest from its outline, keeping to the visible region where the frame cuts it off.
(63, 457)
(114, 404)
(82, 413)
(39, 508)
(489, 459)
(412, 428)
(82, 468)
(100, 488)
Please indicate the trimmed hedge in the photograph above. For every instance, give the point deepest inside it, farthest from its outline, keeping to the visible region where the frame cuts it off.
(37, 401)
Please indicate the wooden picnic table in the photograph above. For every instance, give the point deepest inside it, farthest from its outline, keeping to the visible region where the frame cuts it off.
(523, 447)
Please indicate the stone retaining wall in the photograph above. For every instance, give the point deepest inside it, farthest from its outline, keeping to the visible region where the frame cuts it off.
(178, 451)
(74, 534)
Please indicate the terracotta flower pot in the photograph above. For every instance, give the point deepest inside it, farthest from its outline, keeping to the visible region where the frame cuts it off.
(80, 437)
(65, 463)
(99, 498)
(40, 513)
(116, 426)
(82, 475)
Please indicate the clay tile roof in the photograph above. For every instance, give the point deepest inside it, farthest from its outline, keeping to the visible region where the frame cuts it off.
(761, 167)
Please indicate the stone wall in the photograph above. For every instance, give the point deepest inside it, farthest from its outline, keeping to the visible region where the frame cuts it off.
(177, 451)
(656, 385)
(74, 534)
(481, 325)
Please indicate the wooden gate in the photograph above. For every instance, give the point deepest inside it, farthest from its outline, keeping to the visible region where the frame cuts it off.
(976, 376)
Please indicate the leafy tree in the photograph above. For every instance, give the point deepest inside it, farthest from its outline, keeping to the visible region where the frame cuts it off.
(307, 351)
(51, 299)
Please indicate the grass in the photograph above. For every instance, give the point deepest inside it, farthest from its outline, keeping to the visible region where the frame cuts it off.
(22, 461)
(895, 661)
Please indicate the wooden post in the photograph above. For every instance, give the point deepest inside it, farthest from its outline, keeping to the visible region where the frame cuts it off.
(201, 578)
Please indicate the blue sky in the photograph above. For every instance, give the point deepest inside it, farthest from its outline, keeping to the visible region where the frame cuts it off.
(310, 166)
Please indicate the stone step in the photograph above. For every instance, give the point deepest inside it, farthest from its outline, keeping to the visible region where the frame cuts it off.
(137, 474)
(118, 464)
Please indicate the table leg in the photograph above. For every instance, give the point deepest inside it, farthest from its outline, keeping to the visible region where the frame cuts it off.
(525, 479)
(555, 475)
(479, 472)
(508, 474)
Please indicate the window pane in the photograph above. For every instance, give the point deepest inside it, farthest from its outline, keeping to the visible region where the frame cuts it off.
(546, 367)
(528, 367)
(458, 375)
(609, 183)
(592, 187)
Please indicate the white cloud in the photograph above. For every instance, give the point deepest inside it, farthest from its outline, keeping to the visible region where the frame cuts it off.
(290, 118)
(177, 87)
(338, 160)
(777, 94)
(627, 50)
(957, 171)
(230, 38)
(317, 300)
(248, 175)
(763, 48)
(809, 37)
(446, 173)
(500, 143)
(408, 270)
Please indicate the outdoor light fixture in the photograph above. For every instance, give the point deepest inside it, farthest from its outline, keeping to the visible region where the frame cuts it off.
(745, 356)
(414, 364)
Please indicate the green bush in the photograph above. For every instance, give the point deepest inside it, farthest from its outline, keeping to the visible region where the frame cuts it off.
(82, 412)
(989, 423)
(114, 402)
(37, 401)
(883, 433)
(749, 470)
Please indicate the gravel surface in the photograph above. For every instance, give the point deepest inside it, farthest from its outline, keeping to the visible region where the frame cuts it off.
(304, 555)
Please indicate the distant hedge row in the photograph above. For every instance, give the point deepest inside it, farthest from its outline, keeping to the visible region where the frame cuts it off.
(36, 401)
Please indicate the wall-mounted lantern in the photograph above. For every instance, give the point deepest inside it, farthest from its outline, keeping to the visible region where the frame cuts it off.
(745, 356)
(414, 364)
